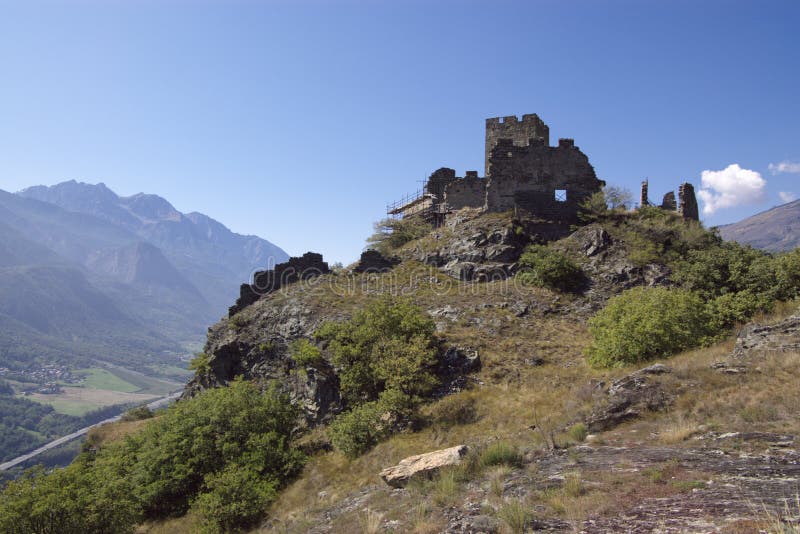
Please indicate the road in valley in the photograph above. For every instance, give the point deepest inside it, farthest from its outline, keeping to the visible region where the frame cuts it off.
(158, 403)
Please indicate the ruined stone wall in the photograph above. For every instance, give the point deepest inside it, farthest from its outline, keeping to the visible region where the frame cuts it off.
(688, 202)
(669, 203)
(548, 182)
(467, 192)
(309, 265)
(438, 181)
(519, 131)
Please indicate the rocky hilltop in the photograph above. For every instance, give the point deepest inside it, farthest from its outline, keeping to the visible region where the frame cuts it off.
(678, 446)
(472, 252)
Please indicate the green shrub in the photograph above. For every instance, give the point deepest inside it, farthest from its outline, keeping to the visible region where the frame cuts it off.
(237, 425)
(728, 268)
(389, 345)
(653, 235)
(234, 499)
(727, 310)
(357, 431)
(578, 432)
(545, 267)
(305, 354)
(646, 323)
(237, 322)
(391, 234)
(593, 208)
(72, 500)
(200, 364)
(788, 273)
(500, 453)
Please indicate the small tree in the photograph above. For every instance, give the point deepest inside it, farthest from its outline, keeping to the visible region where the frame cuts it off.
(618, 198)
(391, 234)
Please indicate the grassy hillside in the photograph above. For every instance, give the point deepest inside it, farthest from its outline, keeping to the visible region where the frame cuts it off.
(555, 443)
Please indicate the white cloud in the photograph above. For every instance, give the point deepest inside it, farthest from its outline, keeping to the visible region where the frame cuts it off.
(732, 186)
(787, 167)
(787, 196)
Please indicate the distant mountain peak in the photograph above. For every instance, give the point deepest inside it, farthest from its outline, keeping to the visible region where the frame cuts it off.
(210, 256)
(775, 230)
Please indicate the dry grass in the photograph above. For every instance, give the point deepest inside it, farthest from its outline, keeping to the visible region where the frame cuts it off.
(678, 430)
(782, 521)
(524, 406)
(497, 477)
(110, 432)
(516, 515)
(371, 522)
(188, 524)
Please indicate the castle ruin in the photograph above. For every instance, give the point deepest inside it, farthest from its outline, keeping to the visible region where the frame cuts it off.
(685, 205)
(523, 173)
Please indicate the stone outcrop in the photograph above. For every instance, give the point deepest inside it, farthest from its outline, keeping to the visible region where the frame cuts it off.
(757, 340)
(422, 465)
(476, 251)
(629, 397)
(255, 346)
(307, 266)
(454, 369)
(607, 264)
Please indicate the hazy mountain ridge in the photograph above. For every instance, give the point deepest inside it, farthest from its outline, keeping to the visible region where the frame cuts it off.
(775, 230)
(86, 274)
(205, 252)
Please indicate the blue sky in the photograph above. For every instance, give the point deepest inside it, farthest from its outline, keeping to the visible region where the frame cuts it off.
(299, 121)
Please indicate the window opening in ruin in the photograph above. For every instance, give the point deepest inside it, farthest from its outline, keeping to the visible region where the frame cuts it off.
(561, 195)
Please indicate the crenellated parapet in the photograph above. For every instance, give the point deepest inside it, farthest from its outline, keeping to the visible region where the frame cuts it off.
(519, 131)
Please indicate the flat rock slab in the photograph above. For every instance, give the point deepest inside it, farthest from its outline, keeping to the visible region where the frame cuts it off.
(422, 465)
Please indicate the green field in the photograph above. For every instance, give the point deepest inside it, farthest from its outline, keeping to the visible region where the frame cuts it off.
(97, 378)
(171, 370)
(105, 387)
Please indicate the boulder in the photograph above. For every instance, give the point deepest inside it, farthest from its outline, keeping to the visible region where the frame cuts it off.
(422, 465)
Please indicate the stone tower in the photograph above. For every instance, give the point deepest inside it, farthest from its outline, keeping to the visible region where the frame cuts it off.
(643, 201)
(687, 202)
(519, 131)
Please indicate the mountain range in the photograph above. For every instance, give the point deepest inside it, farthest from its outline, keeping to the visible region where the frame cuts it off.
(87, 274)
(775, 230)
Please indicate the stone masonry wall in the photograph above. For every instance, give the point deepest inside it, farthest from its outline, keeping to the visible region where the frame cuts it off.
(467, 192)
(519, 131)
(688, 202)
(307, 266)
(548, 182)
